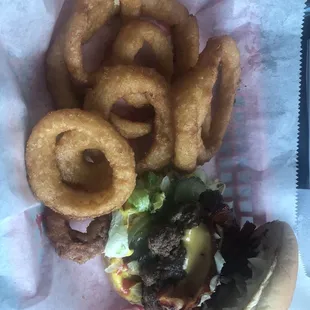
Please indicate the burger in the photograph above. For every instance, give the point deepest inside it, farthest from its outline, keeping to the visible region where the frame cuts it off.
(177, 245)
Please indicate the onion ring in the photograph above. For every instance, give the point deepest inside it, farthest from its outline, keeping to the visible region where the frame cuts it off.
(185, 32)
(186, 45)
(129, 129)
(74, 245)
(131, 39)
(88, 17)
(95, 133)
(125, 124)
(171, 12)
(119, 81)
(58, 78)
(192, 96)
(88, 170)
(136, 100)
(130, 9)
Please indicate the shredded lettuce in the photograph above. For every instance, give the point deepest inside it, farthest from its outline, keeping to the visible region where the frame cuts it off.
(203, 298)
(148, 196)
(115, 265)
(136, 293)
(133, 268)
(157, 201)
(131, 223)
(153, 180)
(165, 184)
(140, 200)
(210, 184)
(219, 261)
(117, 245)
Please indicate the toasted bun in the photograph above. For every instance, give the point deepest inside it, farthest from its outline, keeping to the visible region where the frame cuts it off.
(279, 248)
(274, 270)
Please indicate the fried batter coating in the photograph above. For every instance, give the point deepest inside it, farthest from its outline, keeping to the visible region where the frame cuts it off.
(131, 39)
(186, 45)
(172, 12)
(119, 81)
(88, 170)
(88, 17)
(83, 131)
(185, 32)
(130, 9)
(74, 245)
(196, 138)
(129, 129)
(64, 94)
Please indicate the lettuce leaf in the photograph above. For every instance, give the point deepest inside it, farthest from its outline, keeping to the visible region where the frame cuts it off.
(157, 201)
(117, 245)
(210, 183)
(148, 196)
(140, 200)
(165, 184)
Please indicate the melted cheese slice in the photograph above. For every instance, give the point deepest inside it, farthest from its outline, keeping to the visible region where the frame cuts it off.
(198, 245)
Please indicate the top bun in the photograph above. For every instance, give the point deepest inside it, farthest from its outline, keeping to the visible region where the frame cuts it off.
(278, 249)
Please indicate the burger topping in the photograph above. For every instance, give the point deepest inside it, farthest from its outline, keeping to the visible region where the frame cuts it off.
(197, 242)
(198, 259)
(170, 224)
(237, 248)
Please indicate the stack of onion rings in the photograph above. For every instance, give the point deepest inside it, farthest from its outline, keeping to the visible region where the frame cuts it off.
(197, 136)
(68, 79)
(90, 15)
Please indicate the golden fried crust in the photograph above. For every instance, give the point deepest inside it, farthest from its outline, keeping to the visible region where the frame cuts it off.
(169, 11)
(75, 245)
(130, 9)
(88, 17)
(131, 39)
(58, 78)
(88, 170)
(192, 95)
(119, 81)
(136, 100)
(94, 133)
(129, 129)
(185, 31)
(186, 44)
(227, 88)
